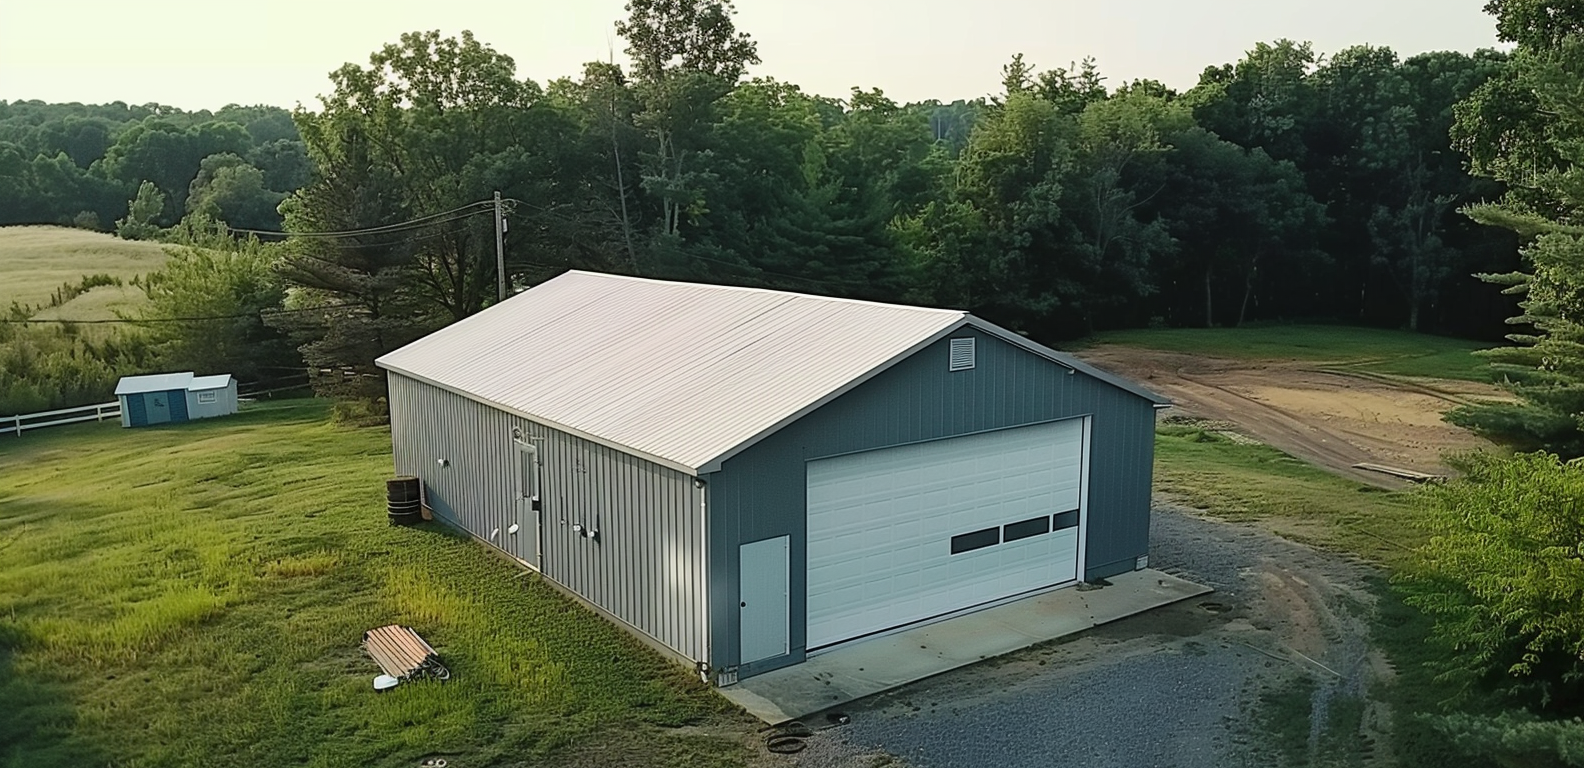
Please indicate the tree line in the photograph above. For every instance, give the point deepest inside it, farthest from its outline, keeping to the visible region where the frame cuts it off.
(1284, 185)
(80, 165)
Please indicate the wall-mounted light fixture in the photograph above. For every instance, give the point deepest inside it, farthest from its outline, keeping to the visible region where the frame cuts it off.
(443, 462)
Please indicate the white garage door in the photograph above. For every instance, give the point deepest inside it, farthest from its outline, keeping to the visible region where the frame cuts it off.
(902, 534)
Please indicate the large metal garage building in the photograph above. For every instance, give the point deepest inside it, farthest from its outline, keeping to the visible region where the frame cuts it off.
(745, 477)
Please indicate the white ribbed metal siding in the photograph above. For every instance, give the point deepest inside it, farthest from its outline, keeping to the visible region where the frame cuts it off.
(646, 566)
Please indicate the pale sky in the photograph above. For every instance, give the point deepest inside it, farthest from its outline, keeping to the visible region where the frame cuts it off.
(204, 55)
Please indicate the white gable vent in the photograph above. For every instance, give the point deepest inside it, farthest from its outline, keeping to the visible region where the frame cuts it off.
(962, 354)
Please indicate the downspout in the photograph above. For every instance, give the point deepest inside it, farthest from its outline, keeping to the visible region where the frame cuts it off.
(703, 595)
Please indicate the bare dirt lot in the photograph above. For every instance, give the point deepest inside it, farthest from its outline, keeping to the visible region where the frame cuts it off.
(1332, 418)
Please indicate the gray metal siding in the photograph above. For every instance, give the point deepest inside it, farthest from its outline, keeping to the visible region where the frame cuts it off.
(760, 493)
(645, 567)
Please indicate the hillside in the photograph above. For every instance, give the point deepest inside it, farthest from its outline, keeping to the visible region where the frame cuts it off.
(37, 260)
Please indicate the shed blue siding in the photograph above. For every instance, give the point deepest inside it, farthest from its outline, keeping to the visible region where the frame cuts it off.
(760, 493)
(178, 404)
(136, 409)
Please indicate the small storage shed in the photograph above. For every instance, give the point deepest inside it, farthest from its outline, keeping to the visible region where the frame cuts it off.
(744, 477)
(163, 397)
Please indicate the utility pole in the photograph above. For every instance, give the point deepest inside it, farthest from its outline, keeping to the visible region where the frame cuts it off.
(500, 249)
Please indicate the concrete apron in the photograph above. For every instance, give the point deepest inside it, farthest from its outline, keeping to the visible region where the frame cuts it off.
(866, 667)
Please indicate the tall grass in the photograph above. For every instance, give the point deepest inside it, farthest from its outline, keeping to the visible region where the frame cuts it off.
(196, 594)
(36, 260)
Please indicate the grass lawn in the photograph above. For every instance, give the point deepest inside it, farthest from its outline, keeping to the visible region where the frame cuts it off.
(1397, 353)
(1302, 502)
(195, 594)
(36, 260)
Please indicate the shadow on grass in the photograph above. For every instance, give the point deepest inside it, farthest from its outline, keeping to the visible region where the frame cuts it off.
(1403, 633)
(38, 725)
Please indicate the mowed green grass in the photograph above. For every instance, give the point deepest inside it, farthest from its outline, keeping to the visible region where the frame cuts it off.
(196, 594)
(36, 260)
(1397, 353)
(1257, 483)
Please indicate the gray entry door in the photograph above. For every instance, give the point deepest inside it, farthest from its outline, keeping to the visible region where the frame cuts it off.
(158, 404)
(764, 583)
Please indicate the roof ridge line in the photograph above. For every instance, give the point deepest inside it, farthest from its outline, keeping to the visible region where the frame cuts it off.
(774, 291)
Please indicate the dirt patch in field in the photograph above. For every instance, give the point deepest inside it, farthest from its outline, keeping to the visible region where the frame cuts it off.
(1329, 417)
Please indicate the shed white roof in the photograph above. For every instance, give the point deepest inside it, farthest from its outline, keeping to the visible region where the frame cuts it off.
(219, 381)
(685, 374)
(165, 382)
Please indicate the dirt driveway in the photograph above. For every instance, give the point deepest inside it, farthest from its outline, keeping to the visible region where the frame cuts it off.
(1334, 419)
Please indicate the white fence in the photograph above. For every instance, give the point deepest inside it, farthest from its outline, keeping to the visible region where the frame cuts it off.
(21, 423)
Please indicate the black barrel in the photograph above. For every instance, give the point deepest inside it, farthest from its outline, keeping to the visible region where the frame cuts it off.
(403, 499)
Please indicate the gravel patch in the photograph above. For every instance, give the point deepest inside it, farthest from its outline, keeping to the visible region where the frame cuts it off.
(1174, 687)
(1150, 710)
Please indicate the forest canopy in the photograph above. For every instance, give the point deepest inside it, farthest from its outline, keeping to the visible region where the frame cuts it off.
(1285, 185)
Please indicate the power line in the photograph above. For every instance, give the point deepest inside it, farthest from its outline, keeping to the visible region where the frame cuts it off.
(420, 222)
(487, 206)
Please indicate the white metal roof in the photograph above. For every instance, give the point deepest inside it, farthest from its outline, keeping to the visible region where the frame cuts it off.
(220, 381)
(682, 373)
(165, 382)
(157, 382)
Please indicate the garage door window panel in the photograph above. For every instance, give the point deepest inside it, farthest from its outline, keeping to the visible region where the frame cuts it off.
(968, 542)
(1026, 529)
(1066, 520)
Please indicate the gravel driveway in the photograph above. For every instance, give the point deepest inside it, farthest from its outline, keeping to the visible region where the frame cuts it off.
(1175, 687)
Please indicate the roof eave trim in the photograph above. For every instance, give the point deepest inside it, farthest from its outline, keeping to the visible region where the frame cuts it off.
(1068, 361)
(714, 465)
(608, 443)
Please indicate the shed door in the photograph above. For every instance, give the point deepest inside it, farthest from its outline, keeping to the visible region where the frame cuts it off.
(903, 534)
(157, 405)
(136, 410)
